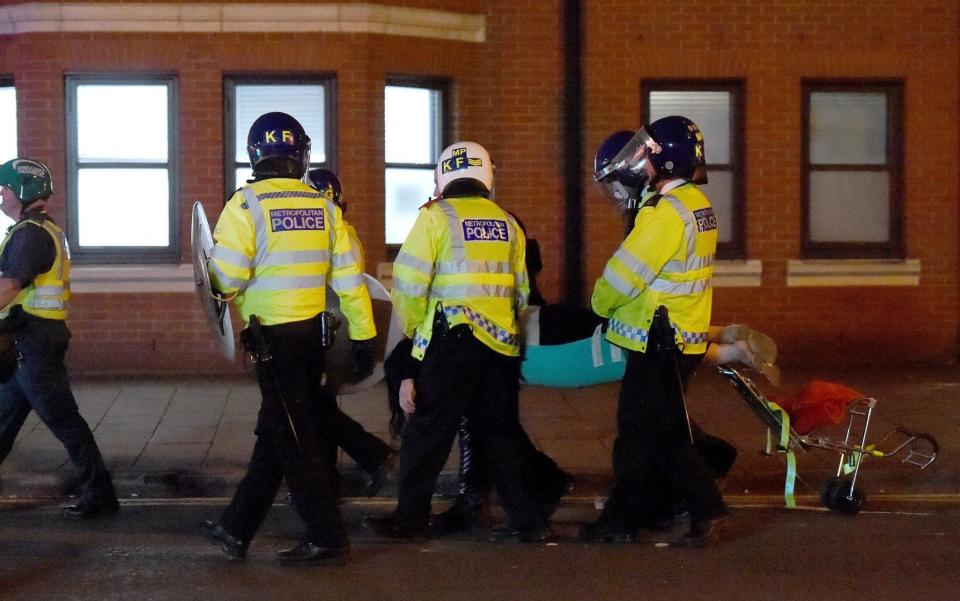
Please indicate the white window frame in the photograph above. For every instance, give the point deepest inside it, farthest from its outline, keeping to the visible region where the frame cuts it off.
(230, 83)
(440, 133)
(736, 247)
(7, 82)
(893, 247)
(123, 254)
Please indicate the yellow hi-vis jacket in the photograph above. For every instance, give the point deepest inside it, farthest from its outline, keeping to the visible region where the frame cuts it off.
(467, 254)
(278, 243)
(666, 260)
(48, 293)
(355, 246)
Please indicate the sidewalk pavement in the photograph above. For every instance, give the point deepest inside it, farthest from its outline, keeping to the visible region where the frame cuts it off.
(192, 437)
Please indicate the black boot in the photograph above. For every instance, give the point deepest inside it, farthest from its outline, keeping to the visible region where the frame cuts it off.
(471, 501)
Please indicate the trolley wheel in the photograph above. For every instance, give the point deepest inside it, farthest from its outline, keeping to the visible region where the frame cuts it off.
(839, 503)
(827, 490)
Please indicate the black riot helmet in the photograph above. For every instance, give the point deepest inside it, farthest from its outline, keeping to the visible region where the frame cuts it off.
(673, 146)
(278, 143)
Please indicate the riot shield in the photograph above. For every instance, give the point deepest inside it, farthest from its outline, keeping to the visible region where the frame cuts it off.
(215, 307)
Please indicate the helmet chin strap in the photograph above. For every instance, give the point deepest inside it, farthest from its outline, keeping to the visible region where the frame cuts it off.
(653, 181)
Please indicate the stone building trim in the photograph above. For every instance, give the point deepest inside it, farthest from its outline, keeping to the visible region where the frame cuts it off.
(856, 272)
(222, 17)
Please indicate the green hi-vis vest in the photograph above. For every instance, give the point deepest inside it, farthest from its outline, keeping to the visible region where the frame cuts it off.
(48, 293)
(465, 255)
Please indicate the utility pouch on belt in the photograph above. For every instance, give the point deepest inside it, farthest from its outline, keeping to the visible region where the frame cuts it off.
(328, 329)
(662, 336)
(255, 342)
(440, 324)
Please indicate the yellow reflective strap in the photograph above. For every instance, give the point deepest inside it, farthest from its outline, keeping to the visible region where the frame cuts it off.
(790, 481)
(784, 447)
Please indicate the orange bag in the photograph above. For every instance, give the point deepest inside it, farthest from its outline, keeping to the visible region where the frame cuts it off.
(818, 405)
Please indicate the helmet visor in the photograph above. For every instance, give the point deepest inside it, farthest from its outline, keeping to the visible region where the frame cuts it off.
(633, 155)
(621, 195)
(632, 158)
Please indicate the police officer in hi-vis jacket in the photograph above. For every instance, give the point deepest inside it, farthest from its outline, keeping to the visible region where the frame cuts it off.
(34, 291)
(278, 243)
(459, 283)
(656, 290)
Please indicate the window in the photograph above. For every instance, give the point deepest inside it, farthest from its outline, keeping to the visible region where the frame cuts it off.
(309, 100)
(8, 120)
(122, 192)
(717, 109)
(852, 140)
(413, 139)
(8, 131)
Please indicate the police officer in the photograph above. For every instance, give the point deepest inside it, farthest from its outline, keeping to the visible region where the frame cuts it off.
(374, 456)
(473, 479)
(459, 282)
(656, 291)
(278, 244)
(34, 290)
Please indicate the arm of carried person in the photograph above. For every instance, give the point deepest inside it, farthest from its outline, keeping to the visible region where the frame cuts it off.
(408, 392)
(639, 260)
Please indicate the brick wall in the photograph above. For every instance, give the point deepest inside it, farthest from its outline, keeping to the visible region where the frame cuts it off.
(772, 46)
(507, 95)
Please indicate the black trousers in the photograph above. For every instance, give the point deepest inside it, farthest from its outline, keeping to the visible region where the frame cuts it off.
(461, 376)
(366, 450)
(299, 452)
(40, 383)
(654, 461)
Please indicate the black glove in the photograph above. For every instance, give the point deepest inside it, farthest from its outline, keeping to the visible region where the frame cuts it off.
(361, 359)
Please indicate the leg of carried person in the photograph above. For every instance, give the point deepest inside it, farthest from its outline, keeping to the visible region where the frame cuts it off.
(371, 454)
(473, 485)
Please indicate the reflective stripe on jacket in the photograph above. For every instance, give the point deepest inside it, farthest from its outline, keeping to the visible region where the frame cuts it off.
(666, 260)
(47, 295)
(278, 243)
(467, 254)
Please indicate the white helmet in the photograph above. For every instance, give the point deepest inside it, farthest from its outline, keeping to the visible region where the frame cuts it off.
(463, 161)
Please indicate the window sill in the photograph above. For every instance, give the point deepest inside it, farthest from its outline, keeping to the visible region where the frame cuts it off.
(853, 272)
(737, 274)
(132, 279)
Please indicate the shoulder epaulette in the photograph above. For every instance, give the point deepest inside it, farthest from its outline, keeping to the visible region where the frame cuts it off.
(652, 201)
(431, 202)
(231, 195)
